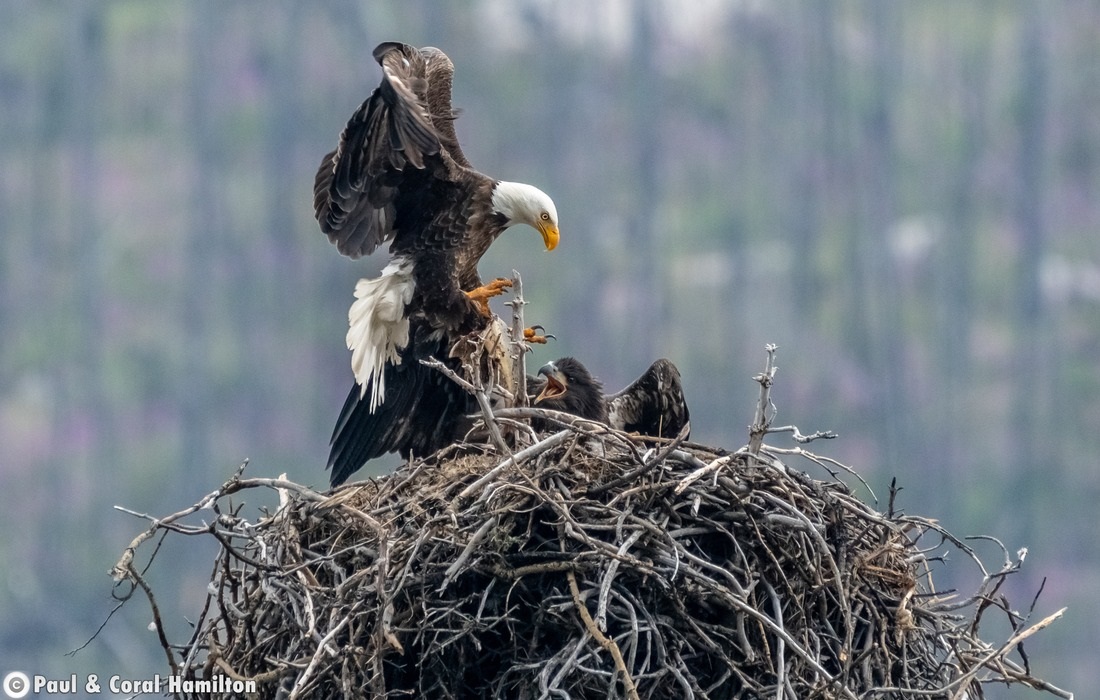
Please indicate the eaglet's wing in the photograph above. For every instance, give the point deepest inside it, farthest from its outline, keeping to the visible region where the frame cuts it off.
(653, 405)
(403, 128)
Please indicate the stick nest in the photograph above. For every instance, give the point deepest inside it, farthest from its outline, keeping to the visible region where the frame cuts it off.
(592, 564)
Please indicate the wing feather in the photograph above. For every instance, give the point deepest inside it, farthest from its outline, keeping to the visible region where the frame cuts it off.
(653, 404)
(403, 128)
(440, 73)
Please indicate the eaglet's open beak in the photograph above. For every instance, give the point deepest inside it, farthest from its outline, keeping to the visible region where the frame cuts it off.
(549, 235)
(555, 383)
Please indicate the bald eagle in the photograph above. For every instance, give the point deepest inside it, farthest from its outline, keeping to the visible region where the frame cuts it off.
(398, 176)
(652, 405)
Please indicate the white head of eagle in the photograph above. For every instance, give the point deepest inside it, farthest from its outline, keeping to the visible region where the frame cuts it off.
(526, 204)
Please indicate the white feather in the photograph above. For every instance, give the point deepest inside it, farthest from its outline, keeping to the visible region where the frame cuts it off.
(377, 327)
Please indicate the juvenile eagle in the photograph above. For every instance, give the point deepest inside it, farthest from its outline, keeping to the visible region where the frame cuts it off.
(399, 176)
(653, 404)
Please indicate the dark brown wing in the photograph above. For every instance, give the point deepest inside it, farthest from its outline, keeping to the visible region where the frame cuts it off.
(403, 128)
(653, 405)
(440, 72)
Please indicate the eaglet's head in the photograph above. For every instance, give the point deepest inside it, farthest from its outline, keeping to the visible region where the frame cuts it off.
(571, 388)
(524, 204)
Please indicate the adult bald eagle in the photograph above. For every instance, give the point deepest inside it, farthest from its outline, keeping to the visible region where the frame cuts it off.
(399, 176)
(653, 404)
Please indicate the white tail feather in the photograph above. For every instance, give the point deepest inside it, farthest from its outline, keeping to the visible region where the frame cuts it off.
(377, 327)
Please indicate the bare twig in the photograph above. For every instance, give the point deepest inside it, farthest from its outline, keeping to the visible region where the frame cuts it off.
(518, 458)
(765, 410)
(478, 393)
(799, 437)
(705, 470)
(448, 373)
(518, 347)
(602, 639)
(646, 466)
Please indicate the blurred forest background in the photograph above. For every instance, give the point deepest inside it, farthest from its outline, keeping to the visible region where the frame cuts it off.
(905, 197)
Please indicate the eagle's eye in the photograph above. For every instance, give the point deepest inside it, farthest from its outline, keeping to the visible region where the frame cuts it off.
(544, 216)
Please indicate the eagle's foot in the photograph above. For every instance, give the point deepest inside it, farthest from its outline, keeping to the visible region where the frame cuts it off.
(531, 335)
(481, 295)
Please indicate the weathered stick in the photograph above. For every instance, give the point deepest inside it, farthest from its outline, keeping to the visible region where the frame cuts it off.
(764, 404)
(602, 639)
(519, 348)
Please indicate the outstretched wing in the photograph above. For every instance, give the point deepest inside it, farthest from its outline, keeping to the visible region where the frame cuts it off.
(653, 405)
(402, 130)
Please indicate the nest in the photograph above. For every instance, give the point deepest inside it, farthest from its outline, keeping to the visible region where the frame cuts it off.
(590, 564)
(583, 562)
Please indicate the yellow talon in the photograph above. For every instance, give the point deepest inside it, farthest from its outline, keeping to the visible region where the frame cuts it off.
(481, 295)
(531, 335)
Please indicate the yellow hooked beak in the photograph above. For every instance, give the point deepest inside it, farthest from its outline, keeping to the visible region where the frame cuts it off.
(549, 234)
